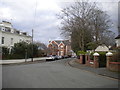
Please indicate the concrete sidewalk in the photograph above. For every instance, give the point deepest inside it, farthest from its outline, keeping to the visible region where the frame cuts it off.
(4, 62)
(99, 71)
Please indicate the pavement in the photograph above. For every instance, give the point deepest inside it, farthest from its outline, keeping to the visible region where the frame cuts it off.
(99, 71)
(19, 61)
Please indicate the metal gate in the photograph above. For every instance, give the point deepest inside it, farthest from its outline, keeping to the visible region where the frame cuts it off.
(83, 59)
(102, 60)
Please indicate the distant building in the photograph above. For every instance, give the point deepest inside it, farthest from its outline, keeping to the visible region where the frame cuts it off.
(59, 47)
(117, 39)
(102, 48)
(9, 35)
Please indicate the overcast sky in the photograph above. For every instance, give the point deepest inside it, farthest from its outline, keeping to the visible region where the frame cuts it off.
(40, 15)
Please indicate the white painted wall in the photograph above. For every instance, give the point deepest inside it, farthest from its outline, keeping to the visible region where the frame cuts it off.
(16, 38)
(102, 48)
(0, 37)
(117, 42)
(8, 35)
(6, 24)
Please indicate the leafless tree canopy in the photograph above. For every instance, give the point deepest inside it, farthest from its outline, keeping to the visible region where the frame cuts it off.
(85, 23)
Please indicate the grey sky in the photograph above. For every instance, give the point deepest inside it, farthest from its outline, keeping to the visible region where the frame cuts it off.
(45, 23)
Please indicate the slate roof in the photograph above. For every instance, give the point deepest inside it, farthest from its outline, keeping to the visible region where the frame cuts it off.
(118, 37)
(58, 41)
(54, 44)
(66, 42)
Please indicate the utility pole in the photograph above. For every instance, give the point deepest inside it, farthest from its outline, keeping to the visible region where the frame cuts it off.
(32, 46)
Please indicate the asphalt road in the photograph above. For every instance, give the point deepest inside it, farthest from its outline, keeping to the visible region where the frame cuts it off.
(54, 74)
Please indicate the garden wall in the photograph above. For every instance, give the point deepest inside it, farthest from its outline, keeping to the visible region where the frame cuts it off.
(114, 66)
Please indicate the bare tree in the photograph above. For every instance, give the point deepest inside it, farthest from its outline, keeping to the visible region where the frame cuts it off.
(84, 22)
(75, 20)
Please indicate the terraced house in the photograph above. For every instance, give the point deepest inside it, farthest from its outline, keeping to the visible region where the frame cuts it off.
(59, 47)
(9, 35)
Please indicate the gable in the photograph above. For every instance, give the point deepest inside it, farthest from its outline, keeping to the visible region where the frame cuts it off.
(102, 48)
(61, 44)
(49, 45)
(54, 43)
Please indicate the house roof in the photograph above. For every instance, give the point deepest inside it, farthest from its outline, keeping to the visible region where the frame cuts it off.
(58, 41)
(102, 48)
(118, 37)
(66, 42)
(54, 44)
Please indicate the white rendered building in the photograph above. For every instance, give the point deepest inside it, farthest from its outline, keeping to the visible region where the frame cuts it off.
(9, 36)
(117, 39)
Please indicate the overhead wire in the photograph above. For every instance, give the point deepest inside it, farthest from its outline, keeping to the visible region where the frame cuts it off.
(34, 20)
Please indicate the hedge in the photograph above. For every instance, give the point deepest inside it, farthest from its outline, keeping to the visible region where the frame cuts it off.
(81, 52)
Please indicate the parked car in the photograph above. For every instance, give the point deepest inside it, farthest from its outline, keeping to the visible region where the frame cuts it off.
(56, 57)
(49, 58)
(74, 56)
(60, 57)
(66, 56)
(69, 56)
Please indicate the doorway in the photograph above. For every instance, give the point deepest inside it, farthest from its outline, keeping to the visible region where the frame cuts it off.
(83, 56)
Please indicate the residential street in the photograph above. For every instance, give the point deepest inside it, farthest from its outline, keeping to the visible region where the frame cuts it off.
(53, 74)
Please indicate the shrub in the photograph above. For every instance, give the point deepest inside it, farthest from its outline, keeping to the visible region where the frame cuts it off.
(5, 51)
(12, 56)
(81, 52)
(116, 57)
(91, 56)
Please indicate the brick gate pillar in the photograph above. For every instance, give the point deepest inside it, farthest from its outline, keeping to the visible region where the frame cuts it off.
(108, 58)
(96, 60)
(87, 59)
(81, 58)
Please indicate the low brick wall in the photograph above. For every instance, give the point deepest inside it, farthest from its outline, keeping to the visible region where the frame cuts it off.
(90, 63)
(81, 59)
(114, 66)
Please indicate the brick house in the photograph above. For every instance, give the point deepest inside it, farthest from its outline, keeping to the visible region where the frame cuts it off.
(59, 47)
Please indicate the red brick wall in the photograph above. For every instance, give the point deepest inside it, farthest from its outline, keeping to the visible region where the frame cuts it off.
(114, 66)
(90, 64)
(81, 59)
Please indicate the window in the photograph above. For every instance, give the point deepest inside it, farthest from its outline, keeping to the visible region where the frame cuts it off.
(61, 46)
(7, 29)
(20, 40)
(3, 40)
(11, 41)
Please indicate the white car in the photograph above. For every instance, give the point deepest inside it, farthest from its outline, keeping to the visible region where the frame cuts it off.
(50, 58)
(74, 56)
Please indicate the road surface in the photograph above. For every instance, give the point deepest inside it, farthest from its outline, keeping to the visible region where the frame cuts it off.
(54, 74)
